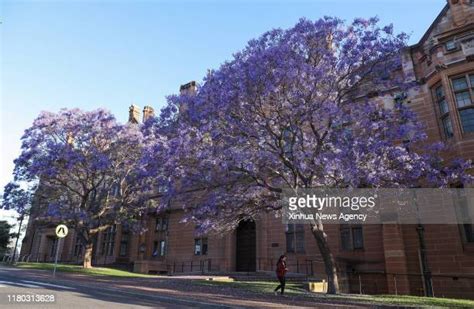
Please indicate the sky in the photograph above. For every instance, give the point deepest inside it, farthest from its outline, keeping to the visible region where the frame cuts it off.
(110, 54)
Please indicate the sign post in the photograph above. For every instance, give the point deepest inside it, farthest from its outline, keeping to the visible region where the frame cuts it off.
(61, 232)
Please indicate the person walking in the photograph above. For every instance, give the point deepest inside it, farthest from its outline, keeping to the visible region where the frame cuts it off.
(281, 270)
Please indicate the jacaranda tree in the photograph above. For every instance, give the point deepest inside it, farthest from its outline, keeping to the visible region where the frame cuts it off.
(86, 168)
(297, 108)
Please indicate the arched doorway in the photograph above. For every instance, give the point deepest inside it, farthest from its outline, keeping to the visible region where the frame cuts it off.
(246, 251)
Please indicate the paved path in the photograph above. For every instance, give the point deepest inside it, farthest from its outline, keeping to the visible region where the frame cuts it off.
(83, 291)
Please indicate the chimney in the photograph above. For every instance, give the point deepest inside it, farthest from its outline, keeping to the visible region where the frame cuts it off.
(134, 114)
(188, 89)
(148, 112)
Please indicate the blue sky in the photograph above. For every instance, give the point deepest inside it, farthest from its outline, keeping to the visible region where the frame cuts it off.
(110, 54)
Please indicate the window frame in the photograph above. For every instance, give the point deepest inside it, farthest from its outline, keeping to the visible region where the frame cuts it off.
(155, 249)
(444, 117)
(351, 241)
(78, 247)
(162, 246)
(161, 224)
(292, 232)
(123, 249)
(159, 248)
(54, 246)
(203, 243)
(466, 229)
(469, 89)
(357, 228)
(108, 241)
(468, 233)
(450, 50)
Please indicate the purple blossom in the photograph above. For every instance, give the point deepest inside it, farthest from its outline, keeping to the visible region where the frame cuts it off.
(296, 108)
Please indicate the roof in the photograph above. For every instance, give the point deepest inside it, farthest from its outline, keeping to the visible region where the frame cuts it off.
(431, 27)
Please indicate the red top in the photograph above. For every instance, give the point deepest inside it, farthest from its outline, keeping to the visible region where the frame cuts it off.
(281, 269)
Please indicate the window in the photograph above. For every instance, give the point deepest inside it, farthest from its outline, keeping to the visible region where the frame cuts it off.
(295, 238)
(450, 45)
(159, 248)
(77, 247)
(197, 247)
(443, 105)
(162, 248)
(463, 99)
(108, 240)
(124, 244)
(467, 119)
(161, 224)
(200, 246)
(460, 84)
(346, 239)
(463, 88)
(447, 126)
(54, 245)
(469, 232)
(357, 238)
(467, 228)
(352, 238)
(158, 224)
(443, 111)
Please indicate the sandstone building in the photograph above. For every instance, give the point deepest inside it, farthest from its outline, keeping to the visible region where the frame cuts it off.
(371, 258)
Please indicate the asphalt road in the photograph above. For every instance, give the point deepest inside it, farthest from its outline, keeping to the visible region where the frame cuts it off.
(21, 289)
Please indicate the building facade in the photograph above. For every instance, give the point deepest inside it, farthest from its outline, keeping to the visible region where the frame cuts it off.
(383, 258)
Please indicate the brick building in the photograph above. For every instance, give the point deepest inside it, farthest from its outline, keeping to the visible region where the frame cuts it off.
(371, 258)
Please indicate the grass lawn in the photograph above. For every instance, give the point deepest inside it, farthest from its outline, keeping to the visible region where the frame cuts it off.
(295, 289)
(258, 286)
(407, 300)
(96, 271)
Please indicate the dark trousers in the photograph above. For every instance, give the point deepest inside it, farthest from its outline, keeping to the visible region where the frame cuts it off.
(281, 285)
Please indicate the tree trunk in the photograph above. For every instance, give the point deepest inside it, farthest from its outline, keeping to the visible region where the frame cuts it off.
(328, 258)
(88, 255)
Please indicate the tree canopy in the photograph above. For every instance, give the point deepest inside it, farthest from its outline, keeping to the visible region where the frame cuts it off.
(316, 105)
(86, 167)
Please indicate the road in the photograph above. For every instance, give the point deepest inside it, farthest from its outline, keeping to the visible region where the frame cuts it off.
(25, 284)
